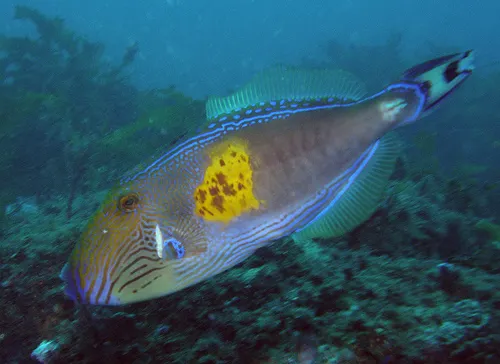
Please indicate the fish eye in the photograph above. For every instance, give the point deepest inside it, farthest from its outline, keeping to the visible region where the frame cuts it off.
(128, 202)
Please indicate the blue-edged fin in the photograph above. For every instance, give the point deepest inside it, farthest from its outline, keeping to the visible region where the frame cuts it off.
(441, 76)
(361, 191)
(281, 85)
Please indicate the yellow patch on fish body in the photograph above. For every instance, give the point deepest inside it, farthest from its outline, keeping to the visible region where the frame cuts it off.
(226, 191)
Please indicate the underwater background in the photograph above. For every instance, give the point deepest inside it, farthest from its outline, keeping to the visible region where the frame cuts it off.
(88, 90)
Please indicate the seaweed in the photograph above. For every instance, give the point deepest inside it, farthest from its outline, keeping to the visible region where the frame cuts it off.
(61, 99)
(492, 229)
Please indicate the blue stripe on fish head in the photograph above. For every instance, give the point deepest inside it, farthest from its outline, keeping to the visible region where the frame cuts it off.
(130, 249)
(116, 247)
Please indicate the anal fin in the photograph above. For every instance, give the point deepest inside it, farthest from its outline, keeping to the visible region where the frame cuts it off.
(359, 197)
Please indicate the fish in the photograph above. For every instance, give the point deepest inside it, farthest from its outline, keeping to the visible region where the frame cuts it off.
(295, 152)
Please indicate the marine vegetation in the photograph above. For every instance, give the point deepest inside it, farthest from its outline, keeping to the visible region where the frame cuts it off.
(417, 282)
(48, 83)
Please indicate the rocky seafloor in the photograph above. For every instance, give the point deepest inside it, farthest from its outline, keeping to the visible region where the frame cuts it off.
(417, 283)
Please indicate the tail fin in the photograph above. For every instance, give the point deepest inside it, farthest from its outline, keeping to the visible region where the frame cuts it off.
(439, 77)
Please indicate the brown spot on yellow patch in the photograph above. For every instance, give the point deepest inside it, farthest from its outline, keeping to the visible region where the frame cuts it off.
(222, 163)
(218, 203)
(221, 179)
(202, 196)
(228, 190)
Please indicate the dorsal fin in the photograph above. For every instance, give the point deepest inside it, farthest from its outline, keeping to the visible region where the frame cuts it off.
(290, 84)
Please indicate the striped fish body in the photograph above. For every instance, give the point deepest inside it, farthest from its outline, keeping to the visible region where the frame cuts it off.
(301, 161)
(275, 159)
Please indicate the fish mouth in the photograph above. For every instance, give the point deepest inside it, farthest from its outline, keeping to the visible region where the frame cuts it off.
(77, 293)
(70, 287)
